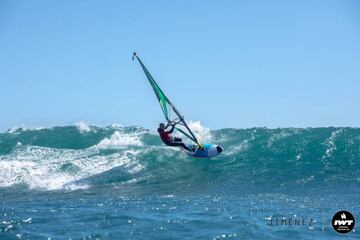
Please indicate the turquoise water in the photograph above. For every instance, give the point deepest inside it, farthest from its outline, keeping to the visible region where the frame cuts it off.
(88, 182)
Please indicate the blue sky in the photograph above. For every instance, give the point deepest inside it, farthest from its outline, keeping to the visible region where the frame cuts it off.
(226, 63)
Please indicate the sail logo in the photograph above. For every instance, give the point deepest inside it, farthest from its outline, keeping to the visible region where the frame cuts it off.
(343, 222)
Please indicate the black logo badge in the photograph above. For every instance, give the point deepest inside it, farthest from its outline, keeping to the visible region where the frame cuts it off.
(343, 222)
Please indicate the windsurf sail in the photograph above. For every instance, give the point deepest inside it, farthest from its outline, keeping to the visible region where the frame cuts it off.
(170, 112)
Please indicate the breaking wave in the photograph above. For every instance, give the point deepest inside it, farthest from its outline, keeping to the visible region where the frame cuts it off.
(81, 156)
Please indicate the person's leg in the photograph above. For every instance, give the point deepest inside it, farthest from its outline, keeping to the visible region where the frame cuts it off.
(177, 139)
(178, 144)
(173, 144)
(186, 147)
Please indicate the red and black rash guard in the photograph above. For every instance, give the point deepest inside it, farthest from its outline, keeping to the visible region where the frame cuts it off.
(165, 135)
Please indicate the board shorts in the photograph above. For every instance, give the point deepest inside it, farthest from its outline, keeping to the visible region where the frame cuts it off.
(175, 141)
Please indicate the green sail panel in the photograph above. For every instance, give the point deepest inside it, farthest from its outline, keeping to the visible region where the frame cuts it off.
(158, 92)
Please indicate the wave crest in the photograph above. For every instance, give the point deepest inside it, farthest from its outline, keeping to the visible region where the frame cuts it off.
(66, 158)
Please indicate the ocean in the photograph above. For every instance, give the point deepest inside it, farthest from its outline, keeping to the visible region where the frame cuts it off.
(116, 182)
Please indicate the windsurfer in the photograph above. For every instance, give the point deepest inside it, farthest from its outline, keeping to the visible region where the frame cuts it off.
(170, 140)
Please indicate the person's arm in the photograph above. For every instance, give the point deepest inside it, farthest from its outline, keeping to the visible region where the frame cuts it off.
(172, 129)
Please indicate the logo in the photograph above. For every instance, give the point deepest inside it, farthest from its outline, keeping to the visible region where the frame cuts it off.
(343, 222)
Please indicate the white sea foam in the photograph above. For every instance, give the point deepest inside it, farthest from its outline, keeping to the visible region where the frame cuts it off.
(23, 127)
(119, 140)
(117, 126)
(82, 127)
(203, 133)
(330, 143)
(278, 136)
(244, 145)
(14, 129)
(43, 168)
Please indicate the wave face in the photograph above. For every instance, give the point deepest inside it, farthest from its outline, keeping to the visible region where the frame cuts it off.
(133, 158)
